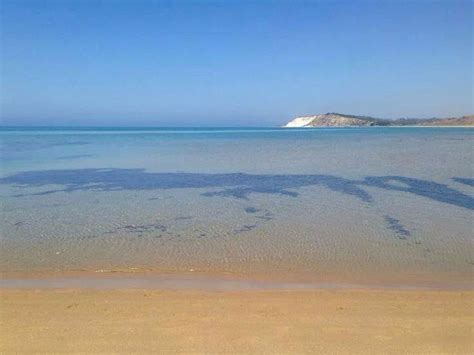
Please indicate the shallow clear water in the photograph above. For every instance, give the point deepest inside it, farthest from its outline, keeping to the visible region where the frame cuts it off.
(388, 205)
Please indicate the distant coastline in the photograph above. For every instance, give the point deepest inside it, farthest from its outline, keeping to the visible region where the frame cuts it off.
(333, 119)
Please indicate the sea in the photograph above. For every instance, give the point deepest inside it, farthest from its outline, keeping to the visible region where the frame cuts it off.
(370, 206)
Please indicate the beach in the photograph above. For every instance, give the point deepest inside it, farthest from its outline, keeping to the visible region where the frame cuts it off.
(237, 321)
(237, 240)
(236, 177)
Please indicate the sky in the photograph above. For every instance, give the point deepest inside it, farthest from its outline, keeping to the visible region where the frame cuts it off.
(232, 63)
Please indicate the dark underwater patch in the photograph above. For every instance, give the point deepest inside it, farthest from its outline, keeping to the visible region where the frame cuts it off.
(251, 210)
(428, 189)
(235, 185)
(78, 156)
(140, 228)
(246, 228)
(395, 225)
(264, 217)
(183, 218)
(465, 181)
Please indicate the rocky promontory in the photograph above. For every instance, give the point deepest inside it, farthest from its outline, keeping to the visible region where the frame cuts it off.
(342, 120)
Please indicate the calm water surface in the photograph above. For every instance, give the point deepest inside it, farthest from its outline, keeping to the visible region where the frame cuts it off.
(390, 205)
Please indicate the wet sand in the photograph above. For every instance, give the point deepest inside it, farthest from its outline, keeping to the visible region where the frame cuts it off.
(238, 321)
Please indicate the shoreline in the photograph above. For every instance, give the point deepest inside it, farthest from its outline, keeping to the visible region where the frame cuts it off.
(205, 281)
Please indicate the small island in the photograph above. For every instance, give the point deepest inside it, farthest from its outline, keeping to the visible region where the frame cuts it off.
(333, 119)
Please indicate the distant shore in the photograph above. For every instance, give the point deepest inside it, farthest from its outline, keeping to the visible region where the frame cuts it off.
(404, 126)
(333, 119)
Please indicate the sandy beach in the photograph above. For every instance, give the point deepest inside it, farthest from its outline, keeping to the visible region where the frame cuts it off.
(236, 177)
(240, 321)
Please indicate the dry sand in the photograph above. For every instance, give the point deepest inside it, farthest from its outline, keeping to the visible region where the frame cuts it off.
(256, 321)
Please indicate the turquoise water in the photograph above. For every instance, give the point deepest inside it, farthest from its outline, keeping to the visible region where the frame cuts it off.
(390, 205)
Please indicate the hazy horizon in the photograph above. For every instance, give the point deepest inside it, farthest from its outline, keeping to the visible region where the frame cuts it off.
(130, 123)
(215, 63)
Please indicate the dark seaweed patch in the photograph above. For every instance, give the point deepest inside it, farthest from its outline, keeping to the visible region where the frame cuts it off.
(265, 218)
(246, 228)
(464, 181)
(429, 189)
(236, 185)
(183, 218)
(140, 229)
(78, 156)
(395, 225)
(251, 210)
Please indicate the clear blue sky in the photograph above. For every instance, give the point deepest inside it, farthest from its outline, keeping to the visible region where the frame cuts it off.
(191, 63)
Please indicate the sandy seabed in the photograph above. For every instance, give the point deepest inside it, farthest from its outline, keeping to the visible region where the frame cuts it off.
(245, 321)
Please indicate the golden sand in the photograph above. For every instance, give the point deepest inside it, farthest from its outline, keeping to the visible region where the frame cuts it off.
(257, 321)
